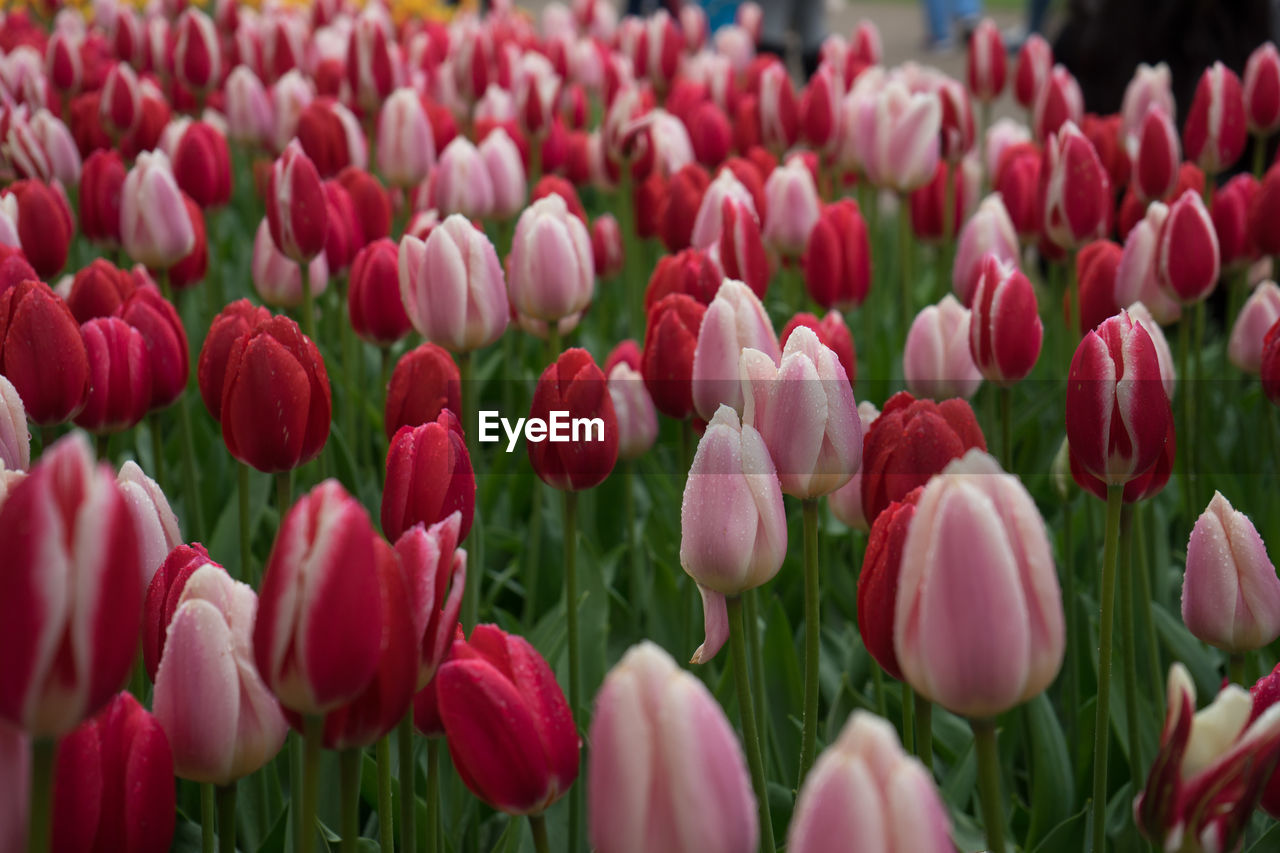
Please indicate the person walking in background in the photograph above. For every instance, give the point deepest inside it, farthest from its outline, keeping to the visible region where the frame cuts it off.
(940, 15)
(806, 18)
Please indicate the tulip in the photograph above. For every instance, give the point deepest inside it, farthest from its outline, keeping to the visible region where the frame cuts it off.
(42, 353)
(163, 594)
(424, 382)
(296, 212)
(429, 477)
(574, 384)
(1270, 368)
(119, 376)
(1211, 768)
(456, 273)
(928, 205)
(506, 172)
(1058, 102)
(101, 184)
(957, 131)
(735, 320)
(436, 573)
(370, 71)
(1035, 62)
(708, 224)
(977, 537)
(832, 332)
(202, 165)
(373, 298)
(1259, 314)
(15, 441)
(1076, 191)
(1230, 592)
(331, 137)
(1117, 409)
(153, 521)
(666, 771)
(14, 268)
(154, 227)
(1017, 179)
(910, 442)
(238, 318)
(837, 257)
(637, 417)
(739, 249)
(1214, 132)
(820, 108)
(461, 182)
(221, 720)
(1263, 232)
(276, 405)
(671, 335)
(278, 280)
(248, 109)
(190, 271)
(1155, 163)
(936, 360)
(989, 232)
(1138, 489)
(42, 147)
(121, 104)
(1005, 330)
(878, 580)
(556, 185)
(510, 731)
(1002, 136)
(370, 201)
(1135, 278)
(692, 273)
(62, 62)
(72, 572)
(985, 69)
(779, 121)
(1187, 260)
(1096, 266)
(682, 206)
(1261, 90)
(550, 271)
(1150, 86)
(406, 147)
(607, 246)
(43, 224)
(99, 290)
(197, 54)
(898, 141)
(794, 209)
(1230, 212)
(113, 783)
(155, 318)
(1104, 133)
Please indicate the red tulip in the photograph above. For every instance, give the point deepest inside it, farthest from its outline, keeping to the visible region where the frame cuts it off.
(684, 196)
(671, 336)
(202, 165)
(1075, 190)
(1187, 259)
(42, 353)
(740, 248)
(276, 404)
(191, 269)
(373, 298)
(44, 225)
(832, 332)
(369, 64)
(163, 595)
(1214, 132)
(574, 385)
(14, 268)
(691, 272)
(1270, 367)
(343, 236)
(556, 185)
(510, 731)
(837, 259)
(197, 55)
(1096, 267)
(1017, 179)
(986, 62)
(1140, 488)
(320, 625)
(1104, 132)
(1004, 330)
(606, 246)
(1155, 165)
(710, 133)
(101, 182)
(121, 104)
(370, 201)
(296, 210)
(1035, 61)
(119, 376)
(73, 584)
(1230, 212)
(1261, 90)
(1059, 101)
(820, 107)
(927, 202)
(424, 382)
(429, 477)
(238, 318)
(1264, 214)
(878, 583)
(99, 290)
(161, 328)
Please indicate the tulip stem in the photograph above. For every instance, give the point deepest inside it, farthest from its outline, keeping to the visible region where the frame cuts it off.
(924, 731)
(386, 821)
(812, 615)
(538, 823)
(471, 591)
(751, 617)
(404, 742)
(433, 792)
(284, 492)
(1102, 722)
(1148, 624)
(308, 304)
(571, 612)
(189, 469)
(102, 442)
(226, 796)
(947, 250)
(349, 780)
(1198, 359)
(738, 651)
(1235, 669)
(1006, 426)
(312, 741)
(1129, 636)
(44, 752)
(157, 446)
(984, 737)
(904, 258)
(246, 549)
(208, 809)
(1187, 387)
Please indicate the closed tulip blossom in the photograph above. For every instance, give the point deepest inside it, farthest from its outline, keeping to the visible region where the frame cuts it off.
(1137, 278)
(1187, 260)
(202, 164)
(119, 376)
(1075, 189)
(1259, 314)
(1058, 102)
(221, 720)
(977, 546)
(39, 220)
(121, 101)
(936, 360)
(452, 286)
(1261, 90)
(163, 594)
(460, 181)
(1213, 136)
(693, 273)
(429, 477)
(869, 793)
(665, 771)
(574, 384)
(733, 532)
(506, 170)
(985, 69)
(248, 109)
(708, 223)
(740, 249)
(154, 523)
(735, 320)
(878, 580)
(424, 381)
(671, 337)
(15, 441)
(1211, 768)
(101, 184)
(1005, 330)
(837, 257)
(1232, 203)
(846, 501)
(1269, 371)
(435, 574)
(637, 417)
(988, 231)
(154, 227)
(510, 730)
(74, 582)
(1141, 488)
(406, 148)
(1230, 592)
(550, 271)
(236, 319)
(1035, 62)
(373, 295)
(277, 279)
(793, 208)
(296, 212)
(1164, 356)
(157, 320)
(1151, 86)
(1155, 162)
(197, 55)
(899, 139)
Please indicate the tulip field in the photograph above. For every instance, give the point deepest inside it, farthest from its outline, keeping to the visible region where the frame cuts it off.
(435, 429)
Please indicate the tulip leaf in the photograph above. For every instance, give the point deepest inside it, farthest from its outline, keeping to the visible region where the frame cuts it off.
(1200, 662)
(1070, 834)
(786, 687)
(1269, 841)
(1052, 787)
(224, 544)
(275, 840)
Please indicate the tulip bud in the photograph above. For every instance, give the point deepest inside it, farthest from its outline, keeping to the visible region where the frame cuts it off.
(424, 382)
(455, 272)
(62, 62)
(911, 441)
(238, 318)
(819, 453)
(794, 208)
(406, 147)
(248, 109)
(986, 62)
(1187, 261)
(878, 581)
(276, 405)
(1264, 232)
(1096, 266)
(1261, 90)
(1230, 211)
(155, 318)
(1270, 368)
(101, 185)
(369, 66)
(1214, 133)
(296, 212)
(163, 594)
(436, 572)
(820, 108)
(42, 353)
(153, 521)
(1135, 278)
(1117, 409)
(665, 765)
(1005, 330)
(734, 321)
(550, 270)
(202, 165)
(15, 441)
(957, 131)
(506, 172)
(460, 181)
(154, 226)
(373, 298)
(976, 546)
(929, 202)
(1075, 188)
(671, 335)
(779, 119)
(71, 569)
(277, 279)
(1211, 768)
(637, 417)
(197, 56)
(989, 232)
(606, 246)
(429, 477)
(1035, 61)
(1258, 315)
(1150, 87)
(331, 137)
(319, 627)
(574, 384)
(739, 249)
(119, 376)
(899, 139)
(682, 206)
(43, 224)
(510, 730)
(1017, 179)
(937, 361)
(1058, 102)
(121, 104)
(1155, 163)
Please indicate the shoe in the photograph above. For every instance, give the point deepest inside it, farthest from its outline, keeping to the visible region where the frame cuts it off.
(939, 46)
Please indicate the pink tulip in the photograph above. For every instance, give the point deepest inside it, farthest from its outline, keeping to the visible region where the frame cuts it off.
(806, 414)
(296, 211)
(1059, 101)
(1230, 592)
(153, 521)
(936, 361)
(871, 795)
(977, 549)
(550, 271)
(1259, 314)
(1262, 90)
(1136, 279)
(1035, 62)
(846, 501)
(289, 97)
(1155, 163)
(1150, 86)
(735, 320)
(452, 286)
(779, 119)
(988, 231)
(897, 135)
(1187, 260)
(55, 139)
(733, 529)
(406, 147)
(460, 181)
(277, 279)
(436, 571)
(793, 208)
(665, 771)
(15, 439)
(506, 173)
(986, 66)
(637, 416)
(318, 634)
(1005, 330)
(1214, 132)
(1075, 189)
(708, 223)
(154, 225)
(221, 720)
(248, 109)
(73, 585)
(1164, 356)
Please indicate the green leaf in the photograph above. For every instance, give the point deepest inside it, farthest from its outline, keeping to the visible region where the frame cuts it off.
(1071, 834)
(1052, 786)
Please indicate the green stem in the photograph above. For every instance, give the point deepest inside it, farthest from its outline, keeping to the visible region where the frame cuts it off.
(349, 776)
(1187, 388)
(308, 303)
(904, 260)
(226, 796)
(908, 719)
(189, 468)
(538, 824)
(1197, 353)
(924, 731)
(44, 752)
(208, 810)
(687, 446)
(1235, 669)
(635, 584)
(404, 742)
(1148, 623)
(284, 492)
(1006, 426)
(877, 687)
(1129, 638)
(571, 611)
(157, 446)
(984, 737)
(738, 651)
(812, 616)
(386, 821)
(312, 743)
(533, 556)
(471, 592)
(1071, 686)
(350, 357)
(433, 793)
(246, 548)
(103, 442)
(1102, 721)
(751, 618)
